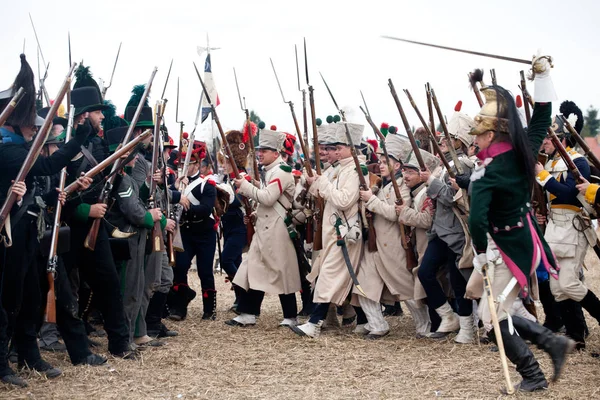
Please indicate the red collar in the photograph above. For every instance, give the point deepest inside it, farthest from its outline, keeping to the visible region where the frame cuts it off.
(495, 150)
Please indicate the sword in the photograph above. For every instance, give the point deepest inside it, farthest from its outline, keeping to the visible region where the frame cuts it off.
(477, 53)
(342, 243)
(105, 88)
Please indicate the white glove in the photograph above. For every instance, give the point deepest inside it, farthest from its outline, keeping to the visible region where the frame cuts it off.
(479, 261)
(543, 85)
(493, 256)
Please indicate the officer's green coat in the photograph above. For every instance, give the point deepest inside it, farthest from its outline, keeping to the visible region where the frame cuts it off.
(500, 204)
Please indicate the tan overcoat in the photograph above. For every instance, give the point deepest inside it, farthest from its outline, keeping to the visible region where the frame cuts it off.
(341, 197)
(271, 265)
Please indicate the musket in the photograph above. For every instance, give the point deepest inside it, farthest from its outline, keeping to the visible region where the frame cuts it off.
(407, 128)
(8, 110)
(181, 124)
(436, 147)
(158, 245)
(90, 240)
(432, 137)
(303, 143)
(108, 161)
(304, 111)
(372, 240)
(234, 168)
(50, 312)
(34, 152)
(493, 75)
(582, 143)
(475, 90)
(411, 260)
(319, 202)
(170, 249)
(450, 142)
(105, 88)
(307, 165)
(526, 104)
(477, 53)
(251, 139)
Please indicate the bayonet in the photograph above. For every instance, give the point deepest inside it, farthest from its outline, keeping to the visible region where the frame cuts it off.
(69, 37)
(493, 75)
(162, 96)
(250, 138)
(477, 53)
(105, 88)
(365, 103)
(278, 84)
(237, 86)
(303, 91)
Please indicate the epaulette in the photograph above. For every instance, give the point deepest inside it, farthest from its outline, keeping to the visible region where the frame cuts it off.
(364, 170)
(285, 167)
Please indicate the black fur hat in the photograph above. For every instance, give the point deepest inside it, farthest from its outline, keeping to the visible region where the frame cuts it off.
(25, 112)
(567, 108)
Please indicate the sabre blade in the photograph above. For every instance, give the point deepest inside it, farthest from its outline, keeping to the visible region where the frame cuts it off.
(477, 53)
(277, 78)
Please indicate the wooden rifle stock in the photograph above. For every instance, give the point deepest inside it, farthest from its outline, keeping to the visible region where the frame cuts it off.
(565, 156)
(34, 151)
(411, 260)
(50, 311)
(450, 145)
(436, 147)
(252, 149)
(107, 162)
(476, 91)
(582, 143)
(158, 245)
(526, 104)
(319, 202)
(409, 133)
(8, 110)
(90, 240)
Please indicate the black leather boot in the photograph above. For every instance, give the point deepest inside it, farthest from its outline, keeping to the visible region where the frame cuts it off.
(519, 354)
(591, 304)
(553, 319)
(155, 327)
(209, 301)
(572, 316)
(556, 346)
(178, 299)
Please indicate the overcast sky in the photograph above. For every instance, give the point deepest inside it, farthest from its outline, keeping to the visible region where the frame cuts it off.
(343, 43)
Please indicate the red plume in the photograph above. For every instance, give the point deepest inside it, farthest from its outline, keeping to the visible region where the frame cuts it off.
(373, 143)
(519, 101)
(253, 130)
(458, 106)
(273, 128)
(384, 125)
(185, 135)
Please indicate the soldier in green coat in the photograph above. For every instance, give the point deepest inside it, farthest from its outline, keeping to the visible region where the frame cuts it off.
(505, 235)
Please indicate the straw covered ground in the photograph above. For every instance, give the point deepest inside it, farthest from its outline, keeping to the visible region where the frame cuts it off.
(210, 360)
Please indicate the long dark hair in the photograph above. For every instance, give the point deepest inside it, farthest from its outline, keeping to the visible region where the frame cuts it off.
(518, 135)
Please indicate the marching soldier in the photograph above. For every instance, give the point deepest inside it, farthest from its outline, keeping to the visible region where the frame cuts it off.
(448, 237)
(505, 237)
(21, 293)
(271, 264)
(565, 229)
(96, 267)
(341, 222)
(418, 215)
(383, 274)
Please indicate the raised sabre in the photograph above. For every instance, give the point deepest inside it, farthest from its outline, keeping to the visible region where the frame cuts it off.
(477, 53)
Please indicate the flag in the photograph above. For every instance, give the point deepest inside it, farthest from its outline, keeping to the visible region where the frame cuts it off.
(210, 87)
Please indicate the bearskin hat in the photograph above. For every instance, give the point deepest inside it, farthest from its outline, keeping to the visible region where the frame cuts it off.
(569, 108)
(25, 112)
(239, 148)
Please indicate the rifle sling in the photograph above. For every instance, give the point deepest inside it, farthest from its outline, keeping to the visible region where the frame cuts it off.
(88, 159)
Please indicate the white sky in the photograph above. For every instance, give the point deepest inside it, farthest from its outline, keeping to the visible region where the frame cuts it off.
(343, 43)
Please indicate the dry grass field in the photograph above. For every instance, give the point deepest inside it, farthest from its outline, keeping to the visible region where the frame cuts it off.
(210, 360)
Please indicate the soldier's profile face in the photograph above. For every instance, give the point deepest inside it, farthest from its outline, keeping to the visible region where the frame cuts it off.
(343, 151)
(96, 118)
(548, 146)
(266, 156)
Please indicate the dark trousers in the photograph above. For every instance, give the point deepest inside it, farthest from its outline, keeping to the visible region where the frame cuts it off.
(251, 301)
(97, 268)
(69, 324)
(21, 293)
(320, 312)
(233, 246)
(202, 245)
(438, 255)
